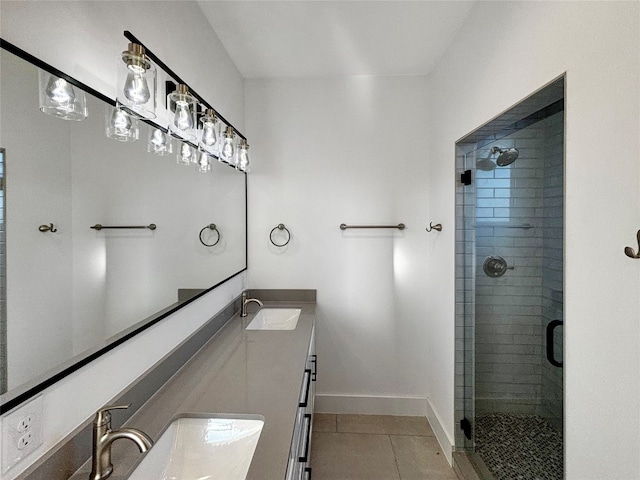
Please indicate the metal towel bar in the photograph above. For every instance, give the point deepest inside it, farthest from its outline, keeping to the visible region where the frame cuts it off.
(344, 226)
(97, 226)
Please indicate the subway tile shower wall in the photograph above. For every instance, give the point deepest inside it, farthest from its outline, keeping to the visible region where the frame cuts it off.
(508, 338)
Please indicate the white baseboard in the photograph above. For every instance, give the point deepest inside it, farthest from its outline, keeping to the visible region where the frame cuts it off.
(371, 405)
(446, 443)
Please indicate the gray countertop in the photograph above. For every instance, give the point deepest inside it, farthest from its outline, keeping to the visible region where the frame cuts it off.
(237, 372)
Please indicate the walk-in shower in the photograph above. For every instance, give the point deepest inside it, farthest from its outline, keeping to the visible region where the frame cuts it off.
(509, 291)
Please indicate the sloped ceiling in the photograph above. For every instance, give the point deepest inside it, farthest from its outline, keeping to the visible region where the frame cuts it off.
(298, 38)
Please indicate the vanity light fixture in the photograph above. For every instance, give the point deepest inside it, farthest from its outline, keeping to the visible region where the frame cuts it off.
(59, 99)
(120, 125)
(228, 148)
(243, 163)
(182, 109)
(137, 83)
(210, 134)
(186, 154)
(160, 142)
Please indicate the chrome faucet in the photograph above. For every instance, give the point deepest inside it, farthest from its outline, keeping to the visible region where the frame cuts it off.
(103, 437)
(245, 300)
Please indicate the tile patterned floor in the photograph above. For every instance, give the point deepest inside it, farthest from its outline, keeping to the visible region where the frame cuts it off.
(519, 447)
(376, 447)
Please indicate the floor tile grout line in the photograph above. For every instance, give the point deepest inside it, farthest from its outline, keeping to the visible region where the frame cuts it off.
(395, 457)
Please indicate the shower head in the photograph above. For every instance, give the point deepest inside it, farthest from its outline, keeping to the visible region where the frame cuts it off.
(506, 157)
(485, 164)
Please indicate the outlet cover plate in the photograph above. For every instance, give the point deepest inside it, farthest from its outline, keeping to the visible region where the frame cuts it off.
(12, 432)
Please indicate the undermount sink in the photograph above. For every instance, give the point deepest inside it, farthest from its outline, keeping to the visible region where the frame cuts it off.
(202, 448)
(275, 319)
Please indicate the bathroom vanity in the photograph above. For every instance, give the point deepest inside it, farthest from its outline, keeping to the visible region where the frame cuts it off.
(258, 373)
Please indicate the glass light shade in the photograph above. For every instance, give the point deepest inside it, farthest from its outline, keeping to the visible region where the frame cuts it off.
(243, 157)
(160, 142)
(186, 154)
(228, 147)
(136, 87)
(182, 113)
(210, 133)
(120, 125)
(61, 99)
(204, 163)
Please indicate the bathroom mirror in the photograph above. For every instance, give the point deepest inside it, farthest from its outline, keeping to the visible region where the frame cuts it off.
(69, 291)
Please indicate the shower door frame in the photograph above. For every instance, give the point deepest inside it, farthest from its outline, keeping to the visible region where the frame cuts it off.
(465, 280)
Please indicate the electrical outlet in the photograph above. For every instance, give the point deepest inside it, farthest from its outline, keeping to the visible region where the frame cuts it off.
(21, 432)
(25, 440)
(26, 422)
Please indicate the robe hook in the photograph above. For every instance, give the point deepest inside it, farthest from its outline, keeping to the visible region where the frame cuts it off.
(48, 228)
(437, 227)
(628, 251)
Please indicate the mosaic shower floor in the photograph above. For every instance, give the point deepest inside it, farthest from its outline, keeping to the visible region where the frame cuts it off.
(519, 447)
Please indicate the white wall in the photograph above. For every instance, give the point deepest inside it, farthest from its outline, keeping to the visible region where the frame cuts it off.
(504, 52)
(350, 150)
(42, 265)
(84, 39)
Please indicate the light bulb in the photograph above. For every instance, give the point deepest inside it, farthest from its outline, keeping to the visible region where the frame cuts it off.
(159, 143)
(228, 151)
(204, 165)
(121, 122)
(182, 110)
(243, 157)
(136, 81)
(59, 98)
(136, 87)
(209, 136)
(182, 118)
(121, 126)
(186, 154)
(60, 91)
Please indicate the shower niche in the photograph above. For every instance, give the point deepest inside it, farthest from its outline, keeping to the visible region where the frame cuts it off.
(509, 291)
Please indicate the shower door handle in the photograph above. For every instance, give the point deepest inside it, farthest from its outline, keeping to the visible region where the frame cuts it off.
(550, 354)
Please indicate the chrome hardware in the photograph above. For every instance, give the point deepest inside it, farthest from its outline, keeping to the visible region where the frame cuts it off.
(437, 227)
(280, 227)
(48, 228)
(344, 226)
(628, 251)
(97, 226)
(103, 437)
(245, 301)
(211, 226)
(495, 266)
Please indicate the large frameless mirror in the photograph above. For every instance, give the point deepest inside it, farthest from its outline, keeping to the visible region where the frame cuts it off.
(71, 291)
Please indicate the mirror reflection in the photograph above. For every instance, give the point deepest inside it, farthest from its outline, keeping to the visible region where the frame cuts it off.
(69, 289)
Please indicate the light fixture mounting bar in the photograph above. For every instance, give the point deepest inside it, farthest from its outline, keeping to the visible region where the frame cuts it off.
(131, 37)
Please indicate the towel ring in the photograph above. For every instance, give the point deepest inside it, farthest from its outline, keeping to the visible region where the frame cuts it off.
(211, 226)
(280, 227)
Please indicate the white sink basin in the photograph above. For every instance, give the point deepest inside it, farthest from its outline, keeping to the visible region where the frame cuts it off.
(275, 319)
(208, 448)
